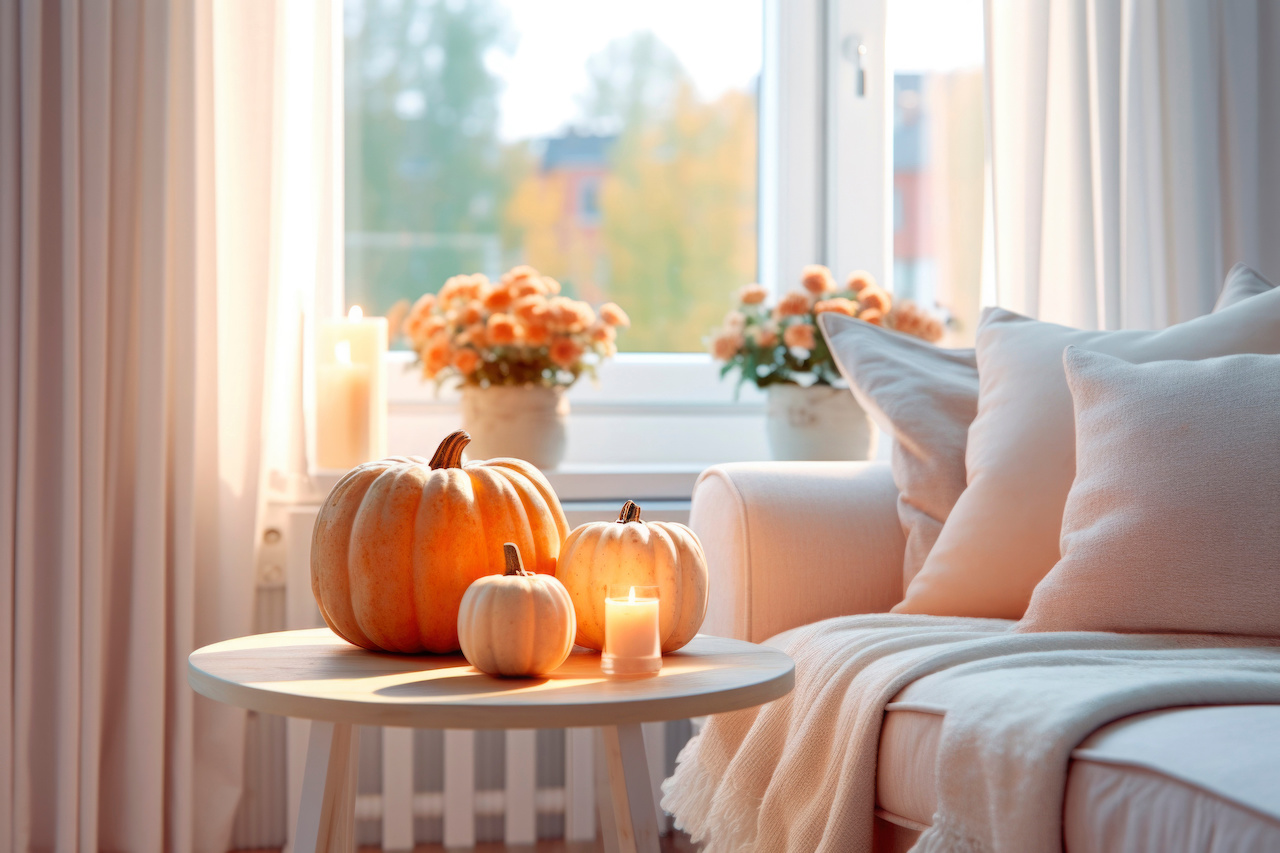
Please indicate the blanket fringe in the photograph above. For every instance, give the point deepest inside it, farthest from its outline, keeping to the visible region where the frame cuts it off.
(699, 803)
(943, 838)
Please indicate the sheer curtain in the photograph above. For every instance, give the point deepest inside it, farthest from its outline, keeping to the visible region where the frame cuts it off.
(144, 330)
(1135, 148)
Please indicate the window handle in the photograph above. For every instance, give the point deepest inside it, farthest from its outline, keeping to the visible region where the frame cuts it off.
(855, 51)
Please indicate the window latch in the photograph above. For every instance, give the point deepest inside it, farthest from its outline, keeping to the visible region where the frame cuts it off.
(855, 51)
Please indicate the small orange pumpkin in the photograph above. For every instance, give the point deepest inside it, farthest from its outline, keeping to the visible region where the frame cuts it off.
(398, 542)
(518, 623)
(630, 551)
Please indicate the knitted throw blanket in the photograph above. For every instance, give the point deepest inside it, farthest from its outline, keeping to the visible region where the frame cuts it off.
(799, 773)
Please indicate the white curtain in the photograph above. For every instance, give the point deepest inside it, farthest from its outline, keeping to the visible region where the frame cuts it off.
(1135, 150)
(142, 251)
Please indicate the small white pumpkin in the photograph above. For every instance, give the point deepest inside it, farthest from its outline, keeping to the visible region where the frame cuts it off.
(518, 623)
(641, 553)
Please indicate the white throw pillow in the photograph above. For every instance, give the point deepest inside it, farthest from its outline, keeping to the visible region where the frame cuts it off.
(1173, 521)
(1242, 283)
(1001, 537)
(924, 396)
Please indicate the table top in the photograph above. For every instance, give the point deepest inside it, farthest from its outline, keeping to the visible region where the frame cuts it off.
(317, 675)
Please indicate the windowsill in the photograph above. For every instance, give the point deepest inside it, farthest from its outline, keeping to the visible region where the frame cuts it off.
(653, 412)
(586, 482)
(630, 381)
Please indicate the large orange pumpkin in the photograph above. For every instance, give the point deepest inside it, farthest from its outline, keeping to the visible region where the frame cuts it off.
(398, 542)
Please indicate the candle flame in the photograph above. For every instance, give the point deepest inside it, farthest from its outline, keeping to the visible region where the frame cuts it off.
(342, 352)
(356, 313)
(633, 595)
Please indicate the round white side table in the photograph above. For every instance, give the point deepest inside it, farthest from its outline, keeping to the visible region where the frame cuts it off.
(314, 674)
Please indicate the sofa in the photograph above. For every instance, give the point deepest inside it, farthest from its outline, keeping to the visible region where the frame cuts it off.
(791, 543)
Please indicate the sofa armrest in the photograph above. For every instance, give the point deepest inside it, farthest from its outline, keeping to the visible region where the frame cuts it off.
(789, 543)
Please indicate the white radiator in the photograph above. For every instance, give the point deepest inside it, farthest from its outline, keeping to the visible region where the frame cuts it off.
(455, 787)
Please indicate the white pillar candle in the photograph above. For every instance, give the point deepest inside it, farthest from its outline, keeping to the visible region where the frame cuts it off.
(631, 645)
(342, 411)
(351, 392)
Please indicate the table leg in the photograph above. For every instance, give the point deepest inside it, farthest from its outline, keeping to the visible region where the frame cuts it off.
(604, 799)
(631, 789)
(327, 813)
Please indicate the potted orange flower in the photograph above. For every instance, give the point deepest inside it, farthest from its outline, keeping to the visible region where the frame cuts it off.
(515, 346)
(779, 349)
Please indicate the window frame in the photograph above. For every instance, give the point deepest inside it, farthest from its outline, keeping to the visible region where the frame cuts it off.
(824, 196)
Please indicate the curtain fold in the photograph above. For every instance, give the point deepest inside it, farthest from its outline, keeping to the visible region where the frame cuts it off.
(1130, 158)
(141, 329)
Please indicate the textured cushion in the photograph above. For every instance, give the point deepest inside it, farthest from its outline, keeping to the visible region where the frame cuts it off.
(1159, 781)
(1173, 521)
(1002, 535)
(925, 397)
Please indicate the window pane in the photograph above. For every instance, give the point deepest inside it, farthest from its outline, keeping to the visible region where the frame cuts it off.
(936, 50)
(610, 145)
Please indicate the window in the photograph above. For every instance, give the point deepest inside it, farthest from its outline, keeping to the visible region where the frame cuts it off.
(904, 178)
(660, 154)
(935, 51)
(612, 146)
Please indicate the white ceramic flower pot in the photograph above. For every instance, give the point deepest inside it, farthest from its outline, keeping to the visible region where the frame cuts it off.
(529, 422)
(818, 423)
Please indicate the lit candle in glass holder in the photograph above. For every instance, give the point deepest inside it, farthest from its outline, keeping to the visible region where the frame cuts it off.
(631, 644)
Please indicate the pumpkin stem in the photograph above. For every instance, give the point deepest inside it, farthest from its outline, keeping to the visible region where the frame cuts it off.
(449, 453)
(630, 512)
(512, 554)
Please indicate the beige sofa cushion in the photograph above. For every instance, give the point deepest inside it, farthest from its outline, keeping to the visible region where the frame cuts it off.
(1002, 535)
(1183, 779)
(925, 397)
(1173, 521)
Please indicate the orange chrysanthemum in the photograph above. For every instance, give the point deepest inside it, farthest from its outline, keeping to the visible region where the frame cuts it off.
(518, 273)
(569, 315)
(466, 361)
(474, 335)
(497, 299)
(874, 297)
(725, 345)
(536, 334)
(473, 313)
(463, 287)
(817, 279)
(793, 304)
(436, 356)
(753, 294)
(564, 352)
(612, 314)
(859, 280)
(837, 305)
(765, 335)
(799, 335)
(502, 329)
(530, 309)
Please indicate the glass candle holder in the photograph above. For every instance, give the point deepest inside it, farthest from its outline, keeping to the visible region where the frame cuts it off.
(631, 645)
